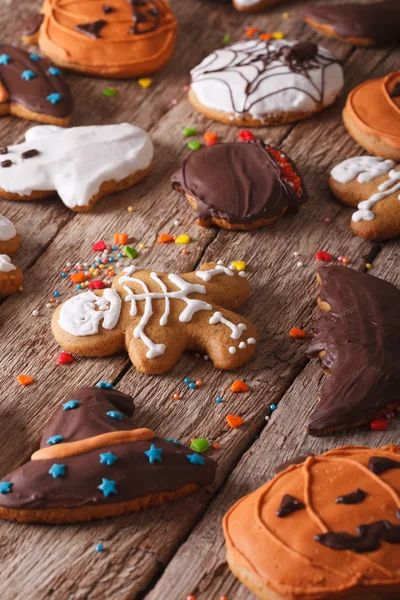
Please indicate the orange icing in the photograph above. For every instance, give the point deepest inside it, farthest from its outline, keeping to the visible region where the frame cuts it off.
(373, 110)
(112, 438)
(116, 52)
(282, 551)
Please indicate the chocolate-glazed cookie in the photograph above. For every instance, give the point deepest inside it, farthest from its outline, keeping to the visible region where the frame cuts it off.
(358, 341)
(240, 185)
(94, 463)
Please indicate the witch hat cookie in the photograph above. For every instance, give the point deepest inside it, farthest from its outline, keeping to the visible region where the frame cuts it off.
(122, 38)
(156, 317)
(94, 463)
(326, 528)
(358, 342)
(81, 164)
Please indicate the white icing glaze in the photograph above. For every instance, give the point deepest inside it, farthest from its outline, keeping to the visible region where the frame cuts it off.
(81, 315)
(75, 162)
(235, 80)
(207, 275)
(7, 229)
(247, 2)
(237, 330)
(6, 265)
(251, 341)
(366, 169)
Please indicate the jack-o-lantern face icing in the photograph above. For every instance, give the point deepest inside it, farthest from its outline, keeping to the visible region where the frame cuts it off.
(119, 38)
(326, 528)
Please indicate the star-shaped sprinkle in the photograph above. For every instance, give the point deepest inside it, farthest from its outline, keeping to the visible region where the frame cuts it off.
(4, 59)
(71, 404)
(35, 57)
(174, 441)
(57, 470)
(5, 487)
(114, 414)
(28, 74)
(54, 98)
(104, 385)
(107, 487)
(154, 454)
(54, 71)
(195, 459)
(108, 458)
(54, 439)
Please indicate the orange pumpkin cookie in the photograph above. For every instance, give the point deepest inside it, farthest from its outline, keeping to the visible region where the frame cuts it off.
(120, 38)
(372, 116)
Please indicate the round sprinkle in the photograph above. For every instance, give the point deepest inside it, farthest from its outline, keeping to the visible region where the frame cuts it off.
(176, 397)
(99, 548)
(187, 380)
(218, 400)
(192, 385)
(35, 313)
(130, 209)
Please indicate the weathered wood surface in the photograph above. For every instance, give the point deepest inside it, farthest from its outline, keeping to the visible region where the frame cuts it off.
(178, 549)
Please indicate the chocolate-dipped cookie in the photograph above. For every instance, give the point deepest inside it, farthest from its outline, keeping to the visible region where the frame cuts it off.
(240, 185)
(94, 463)
(327, 529)
(367, 24)
(31, 88)
(358, 342)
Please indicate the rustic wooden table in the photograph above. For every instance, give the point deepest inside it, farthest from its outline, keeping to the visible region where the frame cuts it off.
(176, 550)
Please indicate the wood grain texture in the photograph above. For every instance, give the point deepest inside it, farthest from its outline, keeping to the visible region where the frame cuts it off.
(177, 549)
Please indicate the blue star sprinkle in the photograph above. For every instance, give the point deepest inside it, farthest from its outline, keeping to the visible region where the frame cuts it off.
(35, 57)
(28, 74)
(114, 414)
(104, 385)
(108, 458)
(154, 454)
(195, 459)
(5, 487)
(174, 441)
(54, 439)
(54, 98)
(57, 470)
(71, 404)
(54, 71)
(107, 487)
(4, 59)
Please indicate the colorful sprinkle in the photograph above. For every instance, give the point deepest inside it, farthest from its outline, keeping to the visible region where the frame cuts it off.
(35, 57)
(121, 238)
(25, 379)
(145, 82)
(5, 487)
(54, 98)
(54, 71)
(246, 135)
(165, 238)
(154, 454)
(130, 252)
(182, 239)
(194, 146)
(107, 487)
(234, 421)
(57, 471)
(379, 424)
(295, 332)
(115, 414)
(99, 548)
(99, 246)
(65, 358)
(239, 265)
(71, 404)
(4, 59)
(199, 445)
(195, 459)
(239, 386)
(109, 92)
(108, 458)
(218, 400)
(54, 439)
(27, 75)
(104, 385)
(226, 39)
(278, 35)
(324, 256)
(189, 131)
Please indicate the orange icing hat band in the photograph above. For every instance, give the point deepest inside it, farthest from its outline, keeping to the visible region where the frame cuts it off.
(127, 40)
(375, 109)
(298, 534)
(98, 441)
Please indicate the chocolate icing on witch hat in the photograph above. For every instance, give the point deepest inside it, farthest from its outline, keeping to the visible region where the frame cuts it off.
(93, 463)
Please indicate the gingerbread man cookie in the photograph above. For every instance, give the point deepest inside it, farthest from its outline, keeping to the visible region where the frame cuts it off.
(31, 88)
(367, 24)
(94, 463)
(122, 38)
(372, 116)
(327, 528)
(240, 185)
(10, 276)
(81, 164)
(9, 238)
(156, 317)
(371, 184)
(257, 82)
(358, 342)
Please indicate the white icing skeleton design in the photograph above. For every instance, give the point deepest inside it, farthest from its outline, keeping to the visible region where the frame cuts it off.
(366, 169)
(6, 265)
(82, 315)
(75, 162)
(7, 229)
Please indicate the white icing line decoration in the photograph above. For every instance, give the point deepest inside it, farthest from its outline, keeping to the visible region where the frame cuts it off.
(75, 162)
(219, 269)
(7, 229)
(6, 265)
(237, 330)
(81, 315)
(366, 169)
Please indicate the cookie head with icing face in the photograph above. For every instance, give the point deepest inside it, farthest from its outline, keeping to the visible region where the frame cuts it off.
(10, 276)
(9, 238)
(326, 528)
(120, 38)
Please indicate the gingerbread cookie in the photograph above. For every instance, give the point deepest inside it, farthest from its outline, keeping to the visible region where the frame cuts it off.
(358, 342)
(9, 238)
(11, 277)
(327, 528)
(373, 186)
(240, 185)
(81, 164)
(367, 24)
(31, 88)
(156, 317)
(94, 463)
(123, 38)
(258, 82)
(372, 116)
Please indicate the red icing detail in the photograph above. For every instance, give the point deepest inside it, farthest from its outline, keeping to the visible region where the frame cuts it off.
(65, 358)
(324, 256)
(97, 284)
(286, 168)
(246, 135)
(99, 246)
(379, 425)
